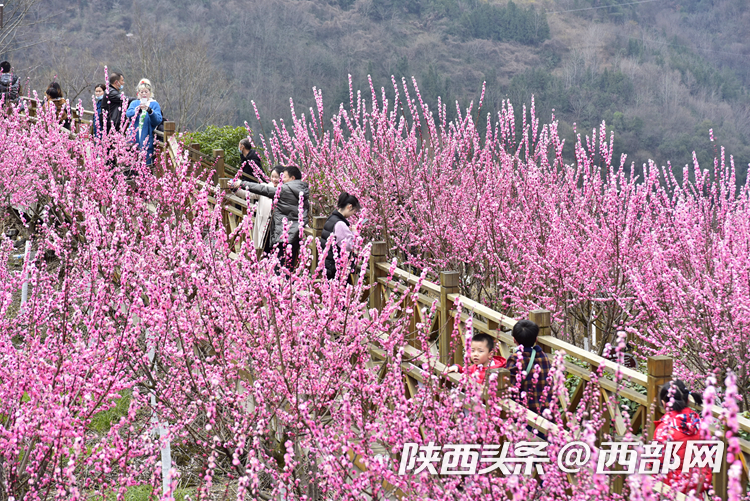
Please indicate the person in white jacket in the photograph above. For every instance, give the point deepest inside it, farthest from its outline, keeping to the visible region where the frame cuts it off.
(263, 220)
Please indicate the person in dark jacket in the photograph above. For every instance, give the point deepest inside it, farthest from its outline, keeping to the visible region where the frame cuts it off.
(337, 225)
(249, 156)
(96, 124)
(10, 86)
(533, 391)
(286, 206)
(112, 104)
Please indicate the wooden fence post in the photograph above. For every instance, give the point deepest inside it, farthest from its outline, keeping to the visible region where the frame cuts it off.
(503, 381)
(75, 125)
(193, 155)
(316, 230)
(377, 255)
(219, 165)
(32, 108)
(659, 373)
(169, 130)
(448, 286)
(721, 479)
(543, 319)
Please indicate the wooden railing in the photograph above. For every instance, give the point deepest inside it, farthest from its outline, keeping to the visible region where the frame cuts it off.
(641, 388)
(497, 325)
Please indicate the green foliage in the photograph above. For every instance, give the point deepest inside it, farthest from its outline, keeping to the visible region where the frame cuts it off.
(101, 422)
(510, 23)
(696, 6)
(635, 48)
(433, 86)
(219, 138)
(344, 4)
(444, 8)
(381, 10)
(144, 493)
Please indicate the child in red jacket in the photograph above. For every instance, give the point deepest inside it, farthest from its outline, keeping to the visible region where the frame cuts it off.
(482, 347)
(681, 424)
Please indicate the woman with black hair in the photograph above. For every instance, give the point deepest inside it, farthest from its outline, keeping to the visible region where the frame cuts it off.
(681, 424)
(54, 96)
(99, 91)
(263, 226)
(338, 226)
(249, 156)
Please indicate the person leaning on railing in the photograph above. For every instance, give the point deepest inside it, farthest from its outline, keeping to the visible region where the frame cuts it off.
(337, 225)
(482, 356)
(263, 226)
(286, 208)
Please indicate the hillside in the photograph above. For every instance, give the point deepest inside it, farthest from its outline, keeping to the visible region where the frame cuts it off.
(660, 73)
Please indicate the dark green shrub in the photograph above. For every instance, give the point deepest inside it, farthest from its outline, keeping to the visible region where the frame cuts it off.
(215, 138)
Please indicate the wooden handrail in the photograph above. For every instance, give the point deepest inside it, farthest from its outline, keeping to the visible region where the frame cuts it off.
(550, 341)
(480, 309)
(409, 278)
(418, 358)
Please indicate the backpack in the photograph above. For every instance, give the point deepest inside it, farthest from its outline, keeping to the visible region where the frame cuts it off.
(160, 127)
(9, 87)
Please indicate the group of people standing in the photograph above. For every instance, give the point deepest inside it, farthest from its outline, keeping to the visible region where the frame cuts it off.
(530, 366)
(142, 116)
(278, 220)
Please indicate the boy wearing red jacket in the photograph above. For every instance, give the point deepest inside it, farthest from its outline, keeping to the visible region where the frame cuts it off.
(482, 347)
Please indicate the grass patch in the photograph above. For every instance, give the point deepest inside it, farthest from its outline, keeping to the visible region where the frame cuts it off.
(144, 493)
(102, 421)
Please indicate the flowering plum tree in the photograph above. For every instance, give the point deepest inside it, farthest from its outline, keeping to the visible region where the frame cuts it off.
(664, 260)
(273, 383)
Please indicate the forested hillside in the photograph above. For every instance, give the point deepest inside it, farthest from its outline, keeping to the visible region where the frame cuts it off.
(661, 73)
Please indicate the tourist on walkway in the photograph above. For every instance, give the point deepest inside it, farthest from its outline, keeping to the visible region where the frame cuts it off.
(10, 86)
(286, 208)
(248, 157)
(96, 126)
(681, 424)
(263, 225)
(337, 225)
(482, 356)
(112, 104)
(147, 114)
(55, 97)
(529, 366)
